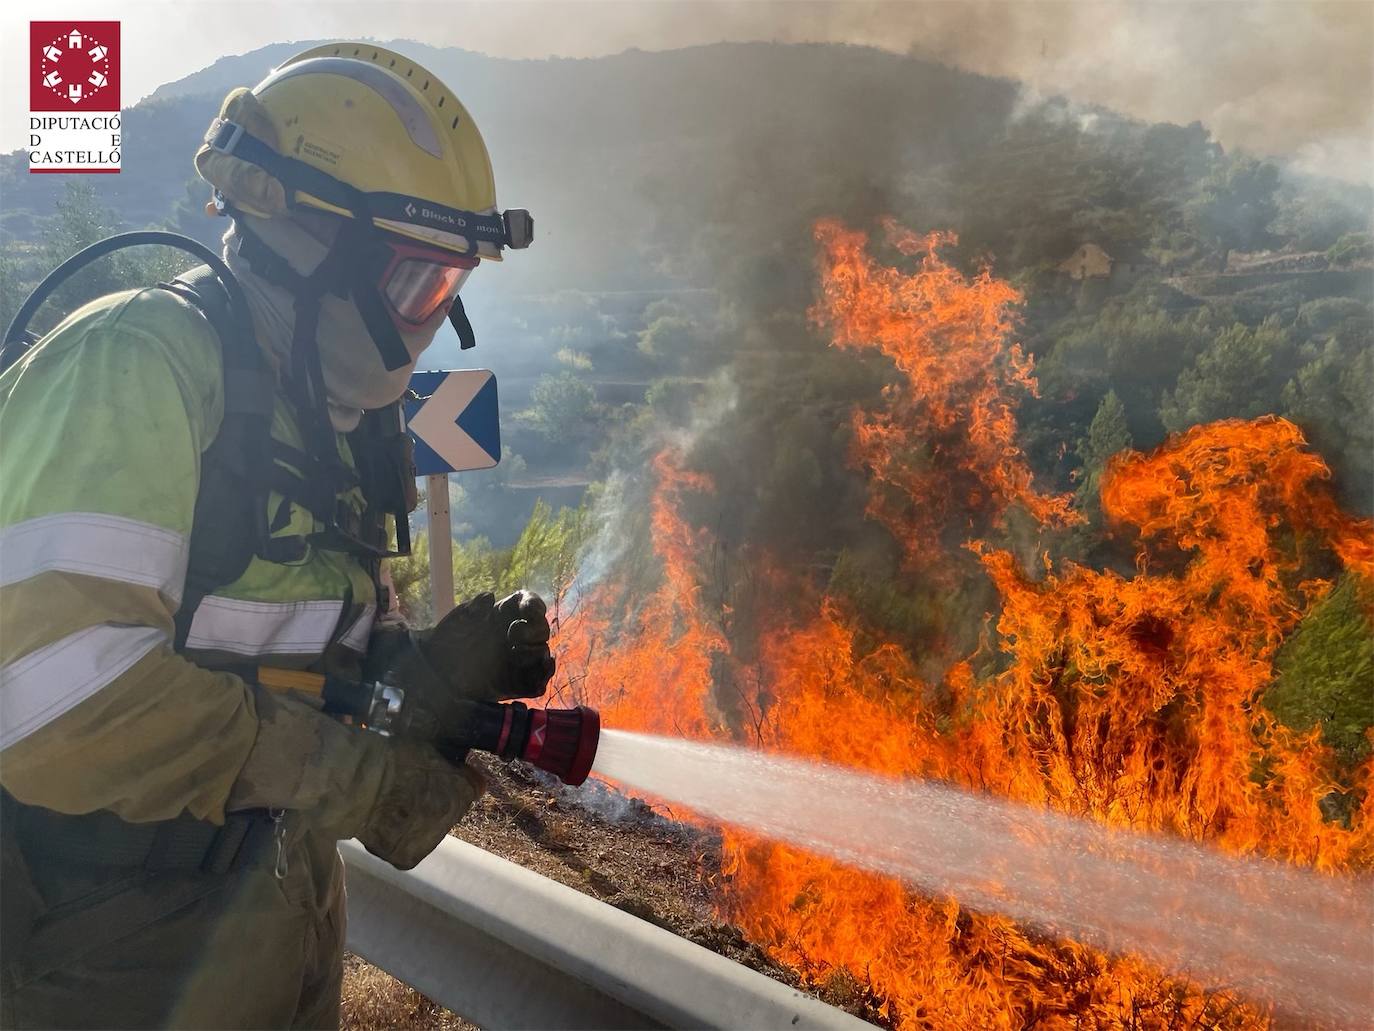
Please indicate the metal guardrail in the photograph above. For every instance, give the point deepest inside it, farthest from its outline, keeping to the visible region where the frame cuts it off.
(506, 948)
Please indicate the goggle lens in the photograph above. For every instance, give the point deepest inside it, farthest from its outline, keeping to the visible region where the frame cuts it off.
(416, 288)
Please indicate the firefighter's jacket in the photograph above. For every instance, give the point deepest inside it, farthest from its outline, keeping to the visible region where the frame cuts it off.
(102, 429)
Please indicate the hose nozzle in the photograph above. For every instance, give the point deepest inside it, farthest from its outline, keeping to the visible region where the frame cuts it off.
(559, 741)
(563, 742)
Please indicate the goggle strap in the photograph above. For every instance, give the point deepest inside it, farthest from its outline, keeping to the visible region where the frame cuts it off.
(458, 319)
(266, 262)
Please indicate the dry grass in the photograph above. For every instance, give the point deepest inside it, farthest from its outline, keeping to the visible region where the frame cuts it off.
(373, 1000)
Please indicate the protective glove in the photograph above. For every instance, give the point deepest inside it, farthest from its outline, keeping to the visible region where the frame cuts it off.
(399, 797)
(423, 795)
(484, 650)
(487, 650)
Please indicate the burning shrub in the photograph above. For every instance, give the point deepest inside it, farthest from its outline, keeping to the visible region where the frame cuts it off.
(1135, 700)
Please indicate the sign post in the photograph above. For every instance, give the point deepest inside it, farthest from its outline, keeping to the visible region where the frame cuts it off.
(456, 425)
(440, 546)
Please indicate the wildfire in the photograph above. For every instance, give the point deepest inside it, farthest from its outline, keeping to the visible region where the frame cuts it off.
(943, 444)
(622, 666)
(1133, 700)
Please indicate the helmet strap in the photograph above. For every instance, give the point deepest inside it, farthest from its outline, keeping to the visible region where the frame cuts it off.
(340, 273)
(305, 384)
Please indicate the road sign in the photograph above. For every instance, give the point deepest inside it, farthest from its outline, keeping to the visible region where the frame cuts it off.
(456, 424)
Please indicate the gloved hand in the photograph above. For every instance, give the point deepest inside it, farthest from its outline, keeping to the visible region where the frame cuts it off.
(482, 651)
(398, 797)
(422, 796)
(486, 650)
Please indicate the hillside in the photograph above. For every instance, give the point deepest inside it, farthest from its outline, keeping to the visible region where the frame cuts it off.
(674, 195)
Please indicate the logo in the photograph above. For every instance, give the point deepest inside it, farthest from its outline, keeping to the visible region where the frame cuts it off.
(74, 66)
(74, 122)
(423, 214)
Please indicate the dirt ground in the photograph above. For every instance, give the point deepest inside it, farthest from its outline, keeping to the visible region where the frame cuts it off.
(616, 849)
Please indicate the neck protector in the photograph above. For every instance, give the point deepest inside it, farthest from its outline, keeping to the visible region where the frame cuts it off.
(305, 295)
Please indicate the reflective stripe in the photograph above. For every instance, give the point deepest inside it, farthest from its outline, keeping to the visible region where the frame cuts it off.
(46, 683)
(110, 547)
(361, 630)
(253, 628)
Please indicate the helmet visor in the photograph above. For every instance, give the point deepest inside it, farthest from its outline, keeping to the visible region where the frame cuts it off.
(416, 288)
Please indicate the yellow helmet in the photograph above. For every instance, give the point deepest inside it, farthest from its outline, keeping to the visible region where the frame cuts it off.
(363, 132)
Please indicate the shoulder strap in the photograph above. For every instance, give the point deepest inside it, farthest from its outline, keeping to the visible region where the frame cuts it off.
(240, 469)
(230, 522)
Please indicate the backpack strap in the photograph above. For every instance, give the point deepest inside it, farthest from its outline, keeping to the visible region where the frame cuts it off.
(245, 464)
(230, 525)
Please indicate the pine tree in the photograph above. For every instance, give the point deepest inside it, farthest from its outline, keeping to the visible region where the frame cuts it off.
(1108, 434)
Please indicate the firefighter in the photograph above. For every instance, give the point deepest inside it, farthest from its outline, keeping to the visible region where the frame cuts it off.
(187, 499)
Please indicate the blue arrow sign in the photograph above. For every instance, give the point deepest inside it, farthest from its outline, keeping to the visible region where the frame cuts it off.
(456, 424)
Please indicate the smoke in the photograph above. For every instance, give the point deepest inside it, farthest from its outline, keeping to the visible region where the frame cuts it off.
(619, 506)
(1286, 79)
(1294, 80)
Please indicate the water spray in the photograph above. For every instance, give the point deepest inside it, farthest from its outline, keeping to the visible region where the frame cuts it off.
(1276, 932)
(1301, 939)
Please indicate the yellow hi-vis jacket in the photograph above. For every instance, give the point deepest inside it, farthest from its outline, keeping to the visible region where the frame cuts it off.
(102, 428)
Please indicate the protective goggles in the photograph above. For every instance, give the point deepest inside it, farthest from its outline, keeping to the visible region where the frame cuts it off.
(417, 281)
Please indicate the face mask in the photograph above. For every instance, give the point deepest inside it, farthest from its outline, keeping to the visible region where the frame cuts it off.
(355, 377)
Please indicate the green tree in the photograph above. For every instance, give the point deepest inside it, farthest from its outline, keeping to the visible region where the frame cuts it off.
(1326, 669)
(573, 359)
(1352, 249)
(80, 221)
(668, 335)
(562, 406)
(1108, 435)
(1134, 347)
(410, 578)
(13, 289)
(1240, 375)
(1236, 205)
(1329, 398)
(544, 558)
(477, 568)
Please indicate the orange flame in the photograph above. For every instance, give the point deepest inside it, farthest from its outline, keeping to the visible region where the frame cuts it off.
(944, 442)
(627, 668)
(1133, 700)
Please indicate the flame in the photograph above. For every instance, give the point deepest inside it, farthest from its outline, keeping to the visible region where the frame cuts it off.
(943, 444)
(1129, 699)
(625, 667)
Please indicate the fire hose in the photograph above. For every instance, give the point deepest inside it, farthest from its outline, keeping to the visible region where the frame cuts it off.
(560, 741)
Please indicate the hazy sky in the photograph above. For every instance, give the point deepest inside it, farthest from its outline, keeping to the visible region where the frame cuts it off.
(1291, 78)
